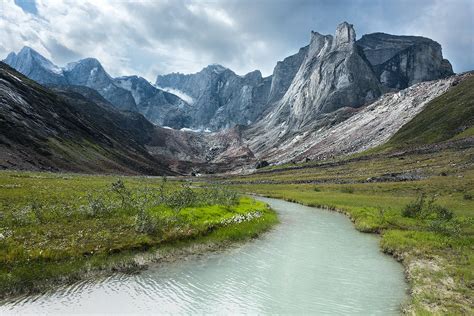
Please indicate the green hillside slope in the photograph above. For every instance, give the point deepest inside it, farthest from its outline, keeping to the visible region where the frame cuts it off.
(451, 115)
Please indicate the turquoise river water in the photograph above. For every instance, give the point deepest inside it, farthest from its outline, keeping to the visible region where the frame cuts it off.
(314, 262)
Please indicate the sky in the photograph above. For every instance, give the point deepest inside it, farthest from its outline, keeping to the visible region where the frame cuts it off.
(148, 38)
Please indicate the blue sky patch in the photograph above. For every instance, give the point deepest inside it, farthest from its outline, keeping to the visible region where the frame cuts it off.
(27, 6)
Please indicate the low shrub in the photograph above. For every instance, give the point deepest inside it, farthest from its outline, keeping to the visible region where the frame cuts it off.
(118, 187)
(97, 205)
(414, 209)
(450, 228)
(145, 223)
(424, 208)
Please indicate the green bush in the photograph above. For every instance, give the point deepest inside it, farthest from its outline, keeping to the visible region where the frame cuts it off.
(145, 223)
(423, 208)
(441, 213)
(449, 228)
(118, 187)
(414, 209)
(182, 198)
(97, 205)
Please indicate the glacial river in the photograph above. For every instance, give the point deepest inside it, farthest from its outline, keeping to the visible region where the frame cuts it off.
(314, 262)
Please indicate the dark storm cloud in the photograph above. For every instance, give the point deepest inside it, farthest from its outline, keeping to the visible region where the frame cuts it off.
(151, 37)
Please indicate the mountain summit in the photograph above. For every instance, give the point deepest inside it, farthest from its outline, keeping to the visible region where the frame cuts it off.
(32, 64)
(333, 72)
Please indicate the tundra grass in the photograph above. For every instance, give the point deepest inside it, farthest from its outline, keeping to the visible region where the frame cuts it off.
(56, 228)
(439, 267)
(447, 116)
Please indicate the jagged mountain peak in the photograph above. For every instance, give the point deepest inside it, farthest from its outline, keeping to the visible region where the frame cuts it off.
(319, 43)
(215, 68)
(32, 64)
(345, 34)
(87, 63)
(28, 52)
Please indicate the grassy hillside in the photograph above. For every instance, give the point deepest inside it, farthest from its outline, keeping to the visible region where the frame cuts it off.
(442, 119)
(55, 228)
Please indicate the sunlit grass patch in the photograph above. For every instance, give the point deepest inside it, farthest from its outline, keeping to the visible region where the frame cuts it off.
(57, 226)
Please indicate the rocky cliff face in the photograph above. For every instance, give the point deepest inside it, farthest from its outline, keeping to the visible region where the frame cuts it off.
(334, 74)
(90, 73)
(158, 106)
(401, 61)
(220, 97)
(36, 67)
(284, 73)
(127, 93)
(348, 131)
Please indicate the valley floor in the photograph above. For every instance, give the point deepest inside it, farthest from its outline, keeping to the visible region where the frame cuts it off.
(378, 192)
(60, 228)
(57, 228)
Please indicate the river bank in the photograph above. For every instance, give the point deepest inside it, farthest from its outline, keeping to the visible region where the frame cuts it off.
(304, 265)
(60, 228)
(437, 266)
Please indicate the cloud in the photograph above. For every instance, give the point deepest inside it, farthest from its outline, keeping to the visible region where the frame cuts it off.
(151, 37)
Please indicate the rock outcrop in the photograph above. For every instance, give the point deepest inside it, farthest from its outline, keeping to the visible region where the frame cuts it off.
(401, 61)
(334, 74)
(90, 73)
(158, 106)
(35, 66)
(284, 73)
(221, 98)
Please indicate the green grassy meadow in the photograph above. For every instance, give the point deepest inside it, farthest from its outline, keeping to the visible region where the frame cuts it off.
(55, 228)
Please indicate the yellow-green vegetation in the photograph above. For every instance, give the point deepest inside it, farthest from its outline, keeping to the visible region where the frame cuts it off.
(450, 115)
(451, 162)
(55, 228)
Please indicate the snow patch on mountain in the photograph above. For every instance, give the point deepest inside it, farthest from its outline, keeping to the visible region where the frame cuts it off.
(181, 94)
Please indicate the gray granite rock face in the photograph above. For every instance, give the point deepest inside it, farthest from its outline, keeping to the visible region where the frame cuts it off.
(221, 99)
(333, 75)
(158, 106)
(90, 73)
(35, 66)
(401, 61)
(126, 93)
(284, 73)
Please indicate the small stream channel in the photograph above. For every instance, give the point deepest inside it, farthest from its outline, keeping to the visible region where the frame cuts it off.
(314, 262)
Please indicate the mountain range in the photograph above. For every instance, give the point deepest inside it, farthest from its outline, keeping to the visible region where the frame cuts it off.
(336, 96)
